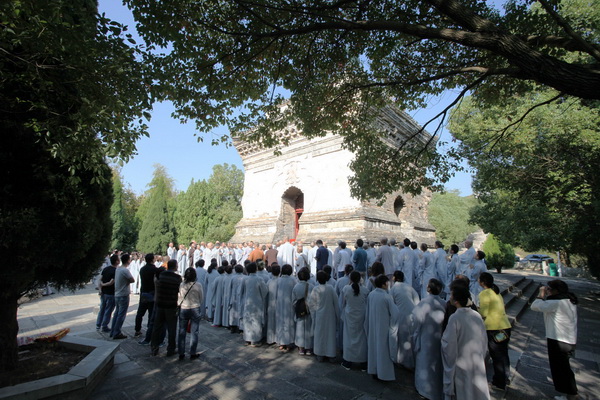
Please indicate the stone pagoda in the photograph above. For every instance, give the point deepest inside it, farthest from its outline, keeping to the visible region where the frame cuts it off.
(303, 193)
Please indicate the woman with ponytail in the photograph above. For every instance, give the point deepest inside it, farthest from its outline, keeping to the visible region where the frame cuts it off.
(560, 318)
(354, 305)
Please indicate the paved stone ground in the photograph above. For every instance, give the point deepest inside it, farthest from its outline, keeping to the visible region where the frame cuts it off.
(229, 370)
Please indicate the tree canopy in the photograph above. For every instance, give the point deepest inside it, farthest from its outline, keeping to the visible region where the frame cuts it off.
(208, 210)
(72, 92)
(157, 228)
(328, 66)
(536, 181)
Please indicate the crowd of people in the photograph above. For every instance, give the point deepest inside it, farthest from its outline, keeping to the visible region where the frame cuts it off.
(381, 305)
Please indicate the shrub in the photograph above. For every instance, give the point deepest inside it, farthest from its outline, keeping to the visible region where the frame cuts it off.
(498, 255)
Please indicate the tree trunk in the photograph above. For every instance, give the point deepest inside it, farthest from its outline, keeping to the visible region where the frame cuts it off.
(8, 333)
(593, 263)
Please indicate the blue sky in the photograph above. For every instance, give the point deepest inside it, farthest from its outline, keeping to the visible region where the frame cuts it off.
(175, 145)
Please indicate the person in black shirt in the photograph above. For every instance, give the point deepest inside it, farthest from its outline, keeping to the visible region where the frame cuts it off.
(166, 297)
(147, 274)
(107, 294)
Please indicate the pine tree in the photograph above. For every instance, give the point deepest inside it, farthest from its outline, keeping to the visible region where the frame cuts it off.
(117, 214)
(157, 228)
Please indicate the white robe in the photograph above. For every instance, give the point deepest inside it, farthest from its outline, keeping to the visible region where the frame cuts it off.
(254, 293)
(380, 326)
(272, 310)
(285, 254)
(210, 283)
(172, 253)
(405, 299)
(452, 269)
(353, 312)
(202, 279)
(227, 293)
(466, 258)
(427, 318)
(323, 306)
(473, 274)
(429, 272)
(218, 299)
(235, 301)
(304, 336)
(464, 346)
(441, 267)
(284, 315)
(410, 264)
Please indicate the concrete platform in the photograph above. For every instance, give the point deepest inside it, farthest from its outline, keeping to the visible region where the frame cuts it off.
(229, 370)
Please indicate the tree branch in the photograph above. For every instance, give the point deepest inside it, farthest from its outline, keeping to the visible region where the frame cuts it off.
(504, 131)
(562, 42)
(565, 25)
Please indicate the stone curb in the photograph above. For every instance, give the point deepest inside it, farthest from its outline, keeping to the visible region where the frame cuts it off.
(79, 382)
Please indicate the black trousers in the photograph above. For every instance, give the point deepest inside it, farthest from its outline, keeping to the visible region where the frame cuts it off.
(144, 306)
(500, 360)
(559, 354)
(162, 317)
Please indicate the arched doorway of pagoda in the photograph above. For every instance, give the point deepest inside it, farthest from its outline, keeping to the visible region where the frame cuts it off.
(292, 207)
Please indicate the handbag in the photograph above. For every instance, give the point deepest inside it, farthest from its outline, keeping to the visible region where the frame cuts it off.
(500, 336)
(182, 300)
(300, 307)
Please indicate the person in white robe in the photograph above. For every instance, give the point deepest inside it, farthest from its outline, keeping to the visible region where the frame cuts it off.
(235, 303)
(134, 269)
(254, 294)
(285, 253)
(466, 258)
(329, 271)
(376, 271)
(246, 250)
(181, 259)
(212, 275)
(197, 254)
(395, 252)
(453, 264)
(341, 259)
(386, 257)
(464, 347)
(344, 280)
(312, 260)
(323, 305)
(381, 321)
(404, 247)
(272, 305)
(238, 251)
(371, 254)
(405, 299)
(202, 279)
(330, 257)
(410, 263)
(439, 260)
(303, 337)
(353, 310)
(284, 316)
(474, 271)
(262, 272)
(418, 265)
(217, 297)
(227, 293)
(428, 268)
(172, 252)
(301, 259)
(427, 318)
(339, 286)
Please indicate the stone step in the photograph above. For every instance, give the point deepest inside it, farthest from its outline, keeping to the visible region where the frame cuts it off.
(522, 294)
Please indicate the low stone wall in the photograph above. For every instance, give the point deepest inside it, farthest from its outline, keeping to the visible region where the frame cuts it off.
(79, 382)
